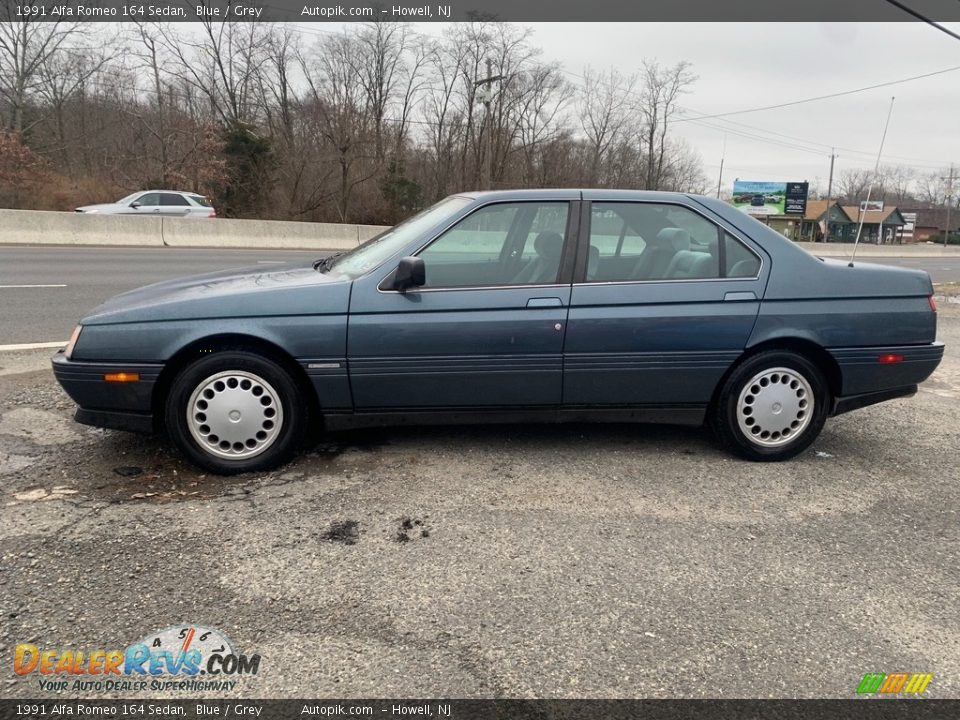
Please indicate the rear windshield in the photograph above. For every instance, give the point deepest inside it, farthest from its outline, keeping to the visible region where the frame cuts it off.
(200, 200)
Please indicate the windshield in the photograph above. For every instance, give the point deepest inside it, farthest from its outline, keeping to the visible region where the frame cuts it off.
(375, 252)
(129, 198)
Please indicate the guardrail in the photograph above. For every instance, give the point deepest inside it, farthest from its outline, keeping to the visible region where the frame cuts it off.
(39, 227)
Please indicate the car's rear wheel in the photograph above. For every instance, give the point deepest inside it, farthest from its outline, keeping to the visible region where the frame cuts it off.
(772, 406)
(236, 411)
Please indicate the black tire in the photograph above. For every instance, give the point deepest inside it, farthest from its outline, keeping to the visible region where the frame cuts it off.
(246, 372)
(726, 420)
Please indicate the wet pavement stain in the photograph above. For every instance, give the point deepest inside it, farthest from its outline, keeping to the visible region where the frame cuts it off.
(346, 532)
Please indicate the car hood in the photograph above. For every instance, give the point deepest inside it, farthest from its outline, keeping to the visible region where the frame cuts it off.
(245, 292)
(102, 207)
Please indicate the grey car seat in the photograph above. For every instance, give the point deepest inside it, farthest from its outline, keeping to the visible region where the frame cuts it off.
(656, 258)
(687, 263)
(545, 266)
(593, 263)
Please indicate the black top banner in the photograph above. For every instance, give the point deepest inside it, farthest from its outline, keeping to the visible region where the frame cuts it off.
(466, 10)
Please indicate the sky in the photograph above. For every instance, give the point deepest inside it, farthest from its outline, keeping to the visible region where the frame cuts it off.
(748, 65)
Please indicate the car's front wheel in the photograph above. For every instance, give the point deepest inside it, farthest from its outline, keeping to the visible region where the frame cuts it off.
(236, 411)
(772, 406)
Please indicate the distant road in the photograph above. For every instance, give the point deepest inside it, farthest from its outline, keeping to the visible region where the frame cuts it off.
(44, 290)
(45, 312)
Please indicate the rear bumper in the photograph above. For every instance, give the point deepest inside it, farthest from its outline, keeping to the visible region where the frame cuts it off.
(118, 406)
(862, 373)
(855, 402)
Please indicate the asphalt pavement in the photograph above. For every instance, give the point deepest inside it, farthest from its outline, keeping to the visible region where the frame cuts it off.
(611, 561)
(45, 290)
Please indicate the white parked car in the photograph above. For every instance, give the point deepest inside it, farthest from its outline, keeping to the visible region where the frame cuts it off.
(165, 203)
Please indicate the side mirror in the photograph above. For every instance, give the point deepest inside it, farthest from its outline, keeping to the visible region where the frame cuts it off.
(411, 272)
(134, 204)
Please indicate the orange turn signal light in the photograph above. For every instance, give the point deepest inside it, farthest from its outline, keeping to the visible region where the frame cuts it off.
(889, 359)
(122, 377)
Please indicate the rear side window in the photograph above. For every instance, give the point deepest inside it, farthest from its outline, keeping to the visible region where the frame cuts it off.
(650, 241)
(171, 199)
(740, 261)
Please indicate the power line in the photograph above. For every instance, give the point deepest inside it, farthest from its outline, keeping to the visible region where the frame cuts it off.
(928, 21)
(822, 97)
(801, 144)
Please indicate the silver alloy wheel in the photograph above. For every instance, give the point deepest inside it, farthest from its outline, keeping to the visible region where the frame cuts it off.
(775, 407)
(234, 415)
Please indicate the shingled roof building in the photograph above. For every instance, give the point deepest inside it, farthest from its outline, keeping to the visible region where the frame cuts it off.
(929, 224)
(844, 220)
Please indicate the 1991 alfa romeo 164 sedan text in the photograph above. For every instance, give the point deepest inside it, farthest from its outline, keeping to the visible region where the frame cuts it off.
(533, 305)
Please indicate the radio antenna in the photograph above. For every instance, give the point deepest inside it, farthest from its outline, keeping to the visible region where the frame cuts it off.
(865, 208)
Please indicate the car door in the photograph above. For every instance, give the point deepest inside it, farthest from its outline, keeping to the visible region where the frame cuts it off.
(485, 331)
(663, 302)
(146, 204)
(174, 205)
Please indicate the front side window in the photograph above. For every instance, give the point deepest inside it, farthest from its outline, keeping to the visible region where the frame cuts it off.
(377, 250)
(500, 245)
(650, 241)
(149, 200)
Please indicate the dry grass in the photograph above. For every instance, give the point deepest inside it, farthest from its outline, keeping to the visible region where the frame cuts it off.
(949, 289)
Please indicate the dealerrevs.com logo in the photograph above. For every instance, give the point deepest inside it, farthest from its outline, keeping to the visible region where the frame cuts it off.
(187, 657)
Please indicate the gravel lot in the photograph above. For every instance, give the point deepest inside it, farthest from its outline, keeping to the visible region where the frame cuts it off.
(570, 561)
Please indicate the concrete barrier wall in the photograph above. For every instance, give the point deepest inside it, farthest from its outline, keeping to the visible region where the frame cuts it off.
(844, 250)
(31, 227)
(178, 232)
(34, 227)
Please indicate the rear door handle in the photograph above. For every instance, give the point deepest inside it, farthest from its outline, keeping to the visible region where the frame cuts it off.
(739, 296)
(544, 302)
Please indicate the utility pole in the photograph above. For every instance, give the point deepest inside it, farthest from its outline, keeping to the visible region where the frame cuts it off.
(949, 179)
(723, 155)
(826, 220)
(485, 95)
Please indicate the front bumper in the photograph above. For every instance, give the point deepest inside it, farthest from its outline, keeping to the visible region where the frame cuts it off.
(118, 406)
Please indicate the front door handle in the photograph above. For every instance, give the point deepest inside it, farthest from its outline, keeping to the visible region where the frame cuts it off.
(544, 302)
(739, 296)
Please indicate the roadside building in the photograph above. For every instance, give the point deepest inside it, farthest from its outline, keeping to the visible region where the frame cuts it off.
(810, 226)
(928, 225)
(879, 226)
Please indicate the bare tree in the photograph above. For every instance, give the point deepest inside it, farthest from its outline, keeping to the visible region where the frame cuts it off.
(606, 106)
(662, 87)
(895, 183)
(853, 184)
(26, 47)
(223, 64)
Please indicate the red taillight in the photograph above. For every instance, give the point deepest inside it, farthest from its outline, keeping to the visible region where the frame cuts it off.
(933, 303)
(212, 213)
(889, 358)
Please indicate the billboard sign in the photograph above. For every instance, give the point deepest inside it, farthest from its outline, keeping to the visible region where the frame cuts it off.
(770, 198)
(796, 198)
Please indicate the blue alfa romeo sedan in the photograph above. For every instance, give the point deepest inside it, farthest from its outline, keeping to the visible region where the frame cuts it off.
(535, 305)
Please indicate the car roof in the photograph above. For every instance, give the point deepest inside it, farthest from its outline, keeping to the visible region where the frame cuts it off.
(574, 194)
(178, 192)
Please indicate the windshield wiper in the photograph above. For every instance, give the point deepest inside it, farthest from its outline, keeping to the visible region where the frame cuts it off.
(324, 264)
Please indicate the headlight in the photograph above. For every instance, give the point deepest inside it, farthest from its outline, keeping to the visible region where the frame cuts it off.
(74, 336)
